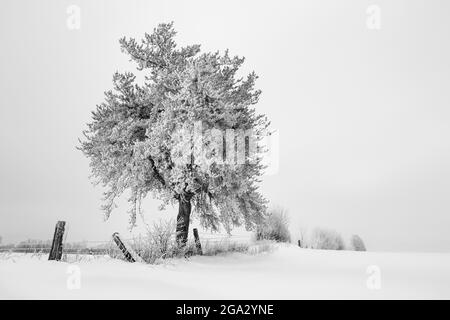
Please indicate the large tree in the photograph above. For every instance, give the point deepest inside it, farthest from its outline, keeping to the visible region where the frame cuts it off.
(163, 136)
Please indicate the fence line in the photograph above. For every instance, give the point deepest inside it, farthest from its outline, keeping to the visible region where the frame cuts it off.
(98, 247)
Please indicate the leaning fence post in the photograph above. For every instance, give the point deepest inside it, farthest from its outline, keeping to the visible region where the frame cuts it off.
(57, 247)
(198, 245)
(122, 247)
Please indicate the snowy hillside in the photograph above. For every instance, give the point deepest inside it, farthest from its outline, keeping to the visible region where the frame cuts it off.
(285, 273)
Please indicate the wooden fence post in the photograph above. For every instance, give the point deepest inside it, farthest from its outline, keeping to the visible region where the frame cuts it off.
(198, 245)
(122, 247)
(57, 247)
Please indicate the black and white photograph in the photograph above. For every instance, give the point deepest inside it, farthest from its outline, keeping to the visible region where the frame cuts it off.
(241, 150)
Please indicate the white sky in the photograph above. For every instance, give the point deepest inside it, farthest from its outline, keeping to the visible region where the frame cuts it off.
(363, 115)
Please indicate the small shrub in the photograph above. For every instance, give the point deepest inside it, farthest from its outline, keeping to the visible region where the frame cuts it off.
(357, 244)
(160, 243)
(162, 237)
(326, 240)
(275, 226)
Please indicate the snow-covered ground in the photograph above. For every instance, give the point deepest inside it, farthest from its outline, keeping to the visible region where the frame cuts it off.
(287, 272)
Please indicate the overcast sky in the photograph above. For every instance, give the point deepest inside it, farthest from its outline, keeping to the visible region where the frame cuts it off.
(363, 114)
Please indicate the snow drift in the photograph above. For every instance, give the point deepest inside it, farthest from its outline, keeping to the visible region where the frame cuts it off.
(288, 272)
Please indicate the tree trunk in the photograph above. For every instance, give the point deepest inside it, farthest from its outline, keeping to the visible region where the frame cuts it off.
(184, 213)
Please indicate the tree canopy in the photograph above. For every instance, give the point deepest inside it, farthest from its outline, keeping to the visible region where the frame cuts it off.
(179, 134)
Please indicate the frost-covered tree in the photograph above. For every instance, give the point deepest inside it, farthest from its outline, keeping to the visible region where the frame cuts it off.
(137, 135)
(357, 243)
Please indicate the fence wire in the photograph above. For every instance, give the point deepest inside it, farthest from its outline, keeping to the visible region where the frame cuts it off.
(101, 247)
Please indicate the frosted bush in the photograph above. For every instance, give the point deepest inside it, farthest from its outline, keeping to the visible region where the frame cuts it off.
(275, 226)
(160, 242)
(357, 244)
(326, 239)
